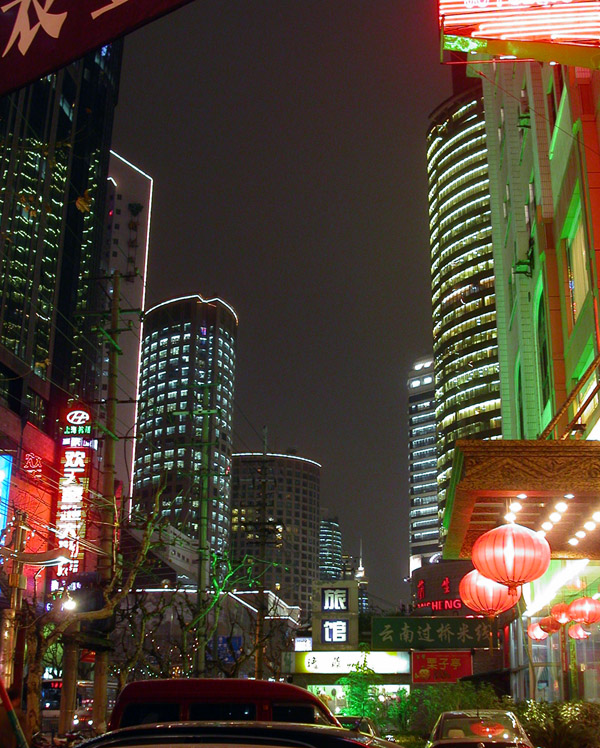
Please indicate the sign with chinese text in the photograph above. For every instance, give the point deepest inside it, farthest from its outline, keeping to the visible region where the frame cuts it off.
(343, 662)
(404, 632)
(38, 37)
(333, 632)
(524, 28)
(73, 485)
(334, 598)
(441, 667)
(32, 464)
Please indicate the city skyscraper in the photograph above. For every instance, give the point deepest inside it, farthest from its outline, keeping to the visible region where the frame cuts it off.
(424, 533)
(275, 520)
(54, 152)
(125, 251)
(465, 341)
(330, 548)
(184, 422)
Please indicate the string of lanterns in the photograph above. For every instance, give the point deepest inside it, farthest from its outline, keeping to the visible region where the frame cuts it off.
(508, 557)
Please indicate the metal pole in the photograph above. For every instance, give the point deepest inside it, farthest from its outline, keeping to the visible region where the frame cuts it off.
(203, 544)
(17, 583)
(107, 513)
(262, 546)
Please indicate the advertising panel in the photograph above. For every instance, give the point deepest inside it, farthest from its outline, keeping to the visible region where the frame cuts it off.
(440, 667)
(343, 662)
(38, 38)
(566, 31)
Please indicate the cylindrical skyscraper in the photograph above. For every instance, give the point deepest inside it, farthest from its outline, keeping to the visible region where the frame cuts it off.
(465, 345)
(275, 520)
(185, 414)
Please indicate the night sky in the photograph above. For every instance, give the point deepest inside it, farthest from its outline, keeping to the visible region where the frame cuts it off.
(286, 139)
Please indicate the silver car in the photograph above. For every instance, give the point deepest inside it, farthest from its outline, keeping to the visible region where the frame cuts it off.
(478, 728)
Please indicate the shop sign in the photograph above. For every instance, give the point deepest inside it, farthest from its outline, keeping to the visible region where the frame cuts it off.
(440, 667)
(343, 662)
(334, 632)
(38, 38)
(334, 598)
(422, 632)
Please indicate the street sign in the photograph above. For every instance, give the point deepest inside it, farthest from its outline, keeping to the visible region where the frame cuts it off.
(39, 38)
(420, 632)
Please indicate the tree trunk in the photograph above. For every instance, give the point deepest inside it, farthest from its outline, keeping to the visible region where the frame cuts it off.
(33, 716)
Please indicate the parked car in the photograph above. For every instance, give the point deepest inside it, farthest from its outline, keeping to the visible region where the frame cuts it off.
(359, 724)
(478, 728)
(198, 699)
(235, 735)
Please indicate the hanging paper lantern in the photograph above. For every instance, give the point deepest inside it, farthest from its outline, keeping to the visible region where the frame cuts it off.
(536, 633)
(585, 610)
(578, 632)
(511, 555)
(485, 596)
(560, 613)
(549, 625)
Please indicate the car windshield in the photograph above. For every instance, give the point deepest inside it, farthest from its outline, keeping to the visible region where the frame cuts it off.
(501, 726)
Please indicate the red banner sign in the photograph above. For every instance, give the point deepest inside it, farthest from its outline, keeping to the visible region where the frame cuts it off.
(38, 37)
(440, 667)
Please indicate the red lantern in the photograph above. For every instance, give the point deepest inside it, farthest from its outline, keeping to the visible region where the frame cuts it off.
(484, 595)
(511, 555)
(536, 633)
(585, 610)
(578, 632)
(560, 613)
(549, 625)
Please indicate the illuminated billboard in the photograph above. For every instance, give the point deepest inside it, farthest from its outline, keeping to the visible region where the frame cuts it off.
(565, 31)
(73, 485)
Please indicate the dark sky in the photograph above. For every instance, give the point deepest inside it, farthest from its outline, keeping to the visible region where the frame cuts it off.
(286, 139)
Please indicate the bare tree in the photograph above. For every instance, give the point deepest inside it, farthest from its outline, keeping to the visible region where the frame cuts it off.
(45, 628)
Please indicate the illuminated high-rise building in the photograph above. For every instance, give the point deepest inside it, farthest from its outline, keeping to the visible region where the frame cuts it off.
(330, 548)
(184, 422)
(125, 251)
(424, 532)
(54, 152)
(465, 344)
(275, 521)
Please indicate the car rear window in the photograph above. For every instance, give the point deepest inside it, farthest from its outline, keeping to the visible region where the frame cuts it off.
(218, 711)
(307, 714)
(148, 713)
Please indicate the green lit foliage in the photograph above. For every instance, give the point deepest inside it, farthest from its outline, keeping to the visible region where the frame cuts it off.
(360, 688)
(563, 724)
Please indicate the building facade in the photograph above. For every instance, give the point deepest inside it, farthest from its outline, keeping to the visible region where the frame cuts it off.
(125, 251)
(330, 549)
(465, 344)
(185, 411)
(54, 152)
(275, 521)
(423, 525)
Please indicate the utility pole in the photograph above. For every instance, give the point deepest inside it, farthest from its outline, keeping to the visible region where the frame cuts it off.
(203, 544)
(107, 512)
(262, 547)
(17, 583)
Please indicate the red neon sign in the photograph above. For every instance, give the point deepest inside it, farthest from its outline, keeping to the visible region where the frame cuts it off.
(562, 21)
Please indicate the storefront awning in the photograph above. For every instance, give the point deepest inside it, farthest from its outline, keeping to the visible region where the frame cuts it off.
(489, 475)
